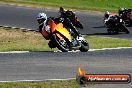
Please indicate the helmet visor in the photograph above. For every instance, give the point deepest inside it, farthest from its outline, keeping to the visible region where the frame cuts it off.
(41, 20)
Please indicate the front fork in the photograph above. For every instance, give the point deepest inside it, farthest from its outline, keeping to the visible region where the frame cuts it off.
(74, 29)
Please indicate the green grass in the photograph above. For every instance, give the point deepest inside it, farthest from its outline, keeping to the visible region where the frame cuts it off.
(46, 84)
(17, 40)
(107, 42)
(97, 5)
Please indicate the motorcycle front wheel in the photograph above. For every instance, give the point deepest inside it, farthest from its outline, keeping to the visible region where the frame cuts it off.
(84, 46)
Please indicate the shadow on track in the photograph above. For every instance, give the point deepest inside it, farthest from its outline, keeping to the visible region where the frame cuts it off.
(99, 27)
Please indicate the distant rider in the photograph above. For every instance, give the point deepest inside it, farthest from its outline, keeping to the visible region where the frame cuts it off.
(68, 16)
(108, 16)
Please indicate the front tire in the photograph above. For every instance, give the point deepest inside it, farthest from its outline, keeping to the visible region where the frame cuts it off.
(84, 46)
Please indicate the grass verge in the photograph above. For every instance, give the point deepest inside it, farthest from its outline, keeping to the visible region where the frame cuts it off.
(96, 5)
(17, 40)
(46, 84)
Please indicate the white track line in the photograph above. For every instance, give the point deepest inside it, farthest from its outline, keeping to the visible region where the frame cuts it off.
(39, 80)
(60, 79)
(90, 50)
(16, 52)
(110, 48)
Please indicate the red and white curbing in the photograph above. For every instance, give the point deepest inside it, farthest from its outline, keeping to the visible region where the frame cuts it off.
(24, 29)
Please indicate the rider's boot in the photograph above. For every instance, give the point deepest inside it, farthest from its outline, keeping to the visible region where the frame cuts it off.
(51, 44)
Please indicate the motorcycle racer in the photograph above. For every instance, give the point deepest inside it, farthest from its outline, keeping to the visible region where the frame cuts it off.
(114, 23)
(43, 22)
(126, 15)
(107, 17)
(43, 25)
(68, 16)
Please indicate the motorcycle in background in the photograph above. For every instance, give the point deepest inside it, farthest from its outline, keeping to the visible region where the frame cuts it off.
(126, 15)
(115, 25)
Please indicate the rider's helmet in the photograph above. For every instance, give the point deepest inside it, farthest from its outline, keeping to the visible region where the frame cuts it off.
(41, 18)
(121, 10)
(69, 13)
(129, 9)
(107, 13)
(61, 10)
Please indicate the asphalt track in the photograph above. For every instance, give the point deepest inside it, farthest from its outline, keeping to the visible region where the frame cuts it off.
(24, 17)
(57, 65)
